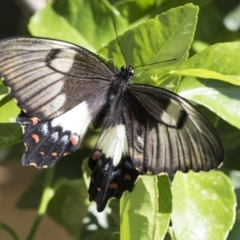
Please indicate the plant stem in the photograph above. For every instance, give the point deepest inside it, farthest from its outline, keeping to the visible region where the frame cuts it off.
(9, 230)
(46, 197)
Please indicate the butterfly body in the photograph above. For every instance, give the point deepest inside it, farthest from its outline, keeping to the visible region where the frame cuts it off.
(62, 88)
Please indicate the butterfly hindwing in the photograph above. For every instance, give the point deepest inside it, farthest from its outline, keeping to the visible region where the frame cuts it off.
(165, 133)
(45, 144)
(47, 141)
(49, 77)
(111, 166)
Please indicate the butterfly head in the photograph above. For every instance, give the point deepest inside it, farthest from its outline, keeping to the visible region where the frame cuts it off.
(126, 73)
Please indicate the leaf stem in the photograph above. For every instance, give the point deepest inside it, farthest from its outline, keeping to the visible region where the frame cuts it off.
(9, 230)
(46, 197)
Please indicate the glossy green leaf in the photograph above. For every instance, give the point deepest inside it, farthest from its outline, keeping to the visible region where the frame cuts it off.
(3, 91)
(67, 20)
(235, 179)
(133, 10)
(99, 30)
(221, 98)
(113, 236)
(204, 73)
(214, 62)
(69, 200)
(10, 132)
(145, 212)
(154, 41)
(48, 23)
(9, 110)
(203, 206)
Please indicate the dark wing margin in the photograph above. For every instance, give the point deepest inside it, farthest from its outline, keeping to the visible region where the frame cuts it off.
(45, 144)
(47, 141)
(109, 181)
(49, 77)
(166, 133)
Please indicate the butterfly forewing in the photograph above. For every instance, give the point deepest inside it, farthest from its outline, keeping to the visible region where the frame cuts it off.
(48, 77)
(112, 168)
(187, 141)
(60, 87)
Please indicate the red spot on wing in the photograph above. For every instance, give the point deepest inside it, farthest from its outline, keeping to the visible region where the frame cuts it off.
(127, 177)
(35, 138)
(99, 189)
(113, 185)
(54, 154)
(74, 139)
(34, 121)
(96, 155)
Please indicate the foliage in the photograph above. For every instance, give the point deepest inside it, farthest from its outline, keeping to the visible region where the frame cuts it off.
(199, 205)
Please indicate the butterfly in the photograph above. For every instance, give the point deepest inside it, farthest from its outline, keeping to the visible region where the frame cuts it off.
(61, 88)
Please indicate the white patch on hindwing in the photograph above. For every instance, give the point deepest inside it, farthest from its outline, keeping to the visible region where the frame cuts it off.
(75, 120)
(113, 143)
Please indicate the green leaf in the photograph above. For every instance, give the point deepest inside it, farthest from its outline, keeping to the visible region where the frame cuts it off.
(235, 179)
(9, 110)
(133, 10)
(215, 62)
(203, 73)
(99, 30)
(48, 23)
(145, 212)
(10, 132)
(203, 205)
(154, 41)
(68, 206)
(221, 98)
(3, 91)
(67, 20)
(113, 236)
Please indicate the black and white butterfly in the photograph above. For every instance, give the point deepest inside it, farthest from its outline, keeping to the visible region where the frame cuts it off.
(61, 88)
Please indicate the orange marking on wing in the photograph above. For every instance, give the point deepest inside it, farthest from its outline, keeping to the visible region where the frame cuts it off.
(99, 189)
(54, 154)
(113, 185)
(42, 153)
(34, 121)
(74, 140)
(127, 177)
(35, 138)
(96, 155)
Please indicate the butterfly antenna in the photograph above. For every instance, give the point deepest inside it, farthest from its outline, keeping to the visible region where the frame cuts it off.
(144, 65)
(114, 25)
